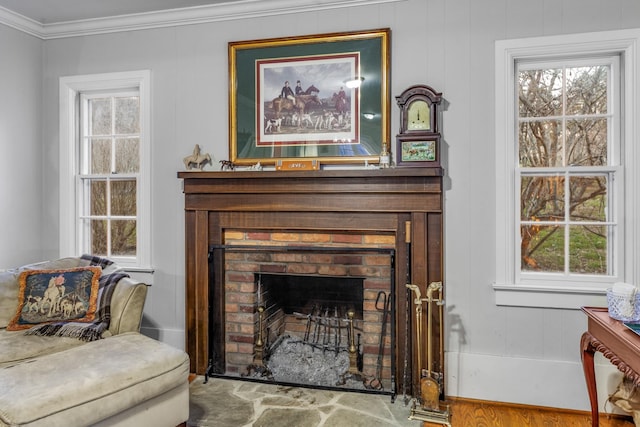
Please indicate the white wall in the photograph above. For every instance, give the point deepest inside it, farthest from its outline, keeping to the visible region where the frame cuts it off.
(21, 207)
(509, 354)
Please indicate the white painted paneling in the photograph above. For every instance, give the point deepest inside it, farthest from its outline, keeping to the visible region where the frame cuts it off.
(553, 326)
(552, 22)
(21, 190)
(573, 326)
(525, 342)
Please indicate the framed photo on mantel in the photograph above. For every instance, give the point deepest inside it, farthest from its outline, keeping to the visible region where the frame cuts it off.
(321, 97)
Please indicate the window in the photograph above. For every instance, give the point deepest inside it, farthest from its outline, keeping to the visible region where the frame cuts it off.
(566, 171)
(105, 167)
(108, 173)
(564, 190)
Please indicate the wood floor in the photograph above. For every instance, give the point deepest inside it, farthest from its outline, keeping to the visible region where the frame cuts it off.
(478, 413)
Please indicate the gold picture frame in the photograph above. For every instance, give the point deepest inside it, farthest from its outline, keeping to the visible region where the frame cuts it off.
(326, 120)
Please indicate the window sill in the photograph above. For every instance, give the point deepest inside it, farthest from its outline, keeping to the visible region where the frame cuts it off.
(548, 297)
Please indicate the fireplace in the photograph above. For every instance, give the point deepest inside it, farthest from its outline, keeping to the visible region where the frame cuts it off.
(397, 211)
(315, 315)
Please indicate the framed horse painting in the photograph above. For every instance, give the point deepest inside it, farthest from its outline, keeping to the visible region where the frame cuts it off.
(323, 97)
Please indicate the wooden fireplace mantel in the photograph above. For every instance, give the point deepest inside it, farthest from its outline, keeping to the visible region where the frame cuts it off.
(380, 190)
(367, 200)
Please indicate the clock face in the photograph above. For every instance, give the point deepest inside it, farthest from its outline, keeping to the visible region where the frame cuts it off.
(418, 116)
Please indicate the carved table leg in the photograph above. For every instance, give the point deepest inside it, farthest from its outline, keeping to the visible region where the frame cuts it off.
(588, 351)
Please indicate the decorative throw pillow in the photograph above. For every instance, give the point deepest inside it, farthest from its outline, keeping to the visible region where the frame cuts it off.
(48, 296)
(9, 284)
(86, 331)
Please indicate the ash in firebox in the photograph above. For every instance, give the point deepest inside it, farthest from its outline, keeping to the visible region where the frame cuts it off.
(295, 361)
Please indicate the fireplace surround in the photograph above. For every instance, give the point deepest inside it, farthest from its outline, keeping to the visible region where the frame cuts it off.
(403, 206)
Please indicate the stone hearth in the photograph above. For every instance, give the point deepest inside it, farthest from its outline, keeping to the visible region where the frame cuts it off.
(225, 402)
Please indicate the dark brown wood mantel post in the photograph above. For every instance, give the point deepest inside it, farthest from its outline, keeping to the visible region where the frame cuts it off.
(367, 201)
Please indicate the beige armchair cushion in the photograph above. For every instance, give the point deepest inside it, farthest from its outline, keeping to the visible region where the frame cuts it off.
(127, 305)
(8, 295)
(89, 383)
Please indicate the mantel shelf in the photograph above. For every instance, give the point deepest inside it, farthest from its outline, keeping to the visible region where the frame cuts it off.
(368, 190)
(331, 173)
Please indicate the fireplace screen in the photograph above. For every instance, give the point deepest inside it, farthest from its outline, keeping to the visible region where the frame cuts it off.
(310, 316)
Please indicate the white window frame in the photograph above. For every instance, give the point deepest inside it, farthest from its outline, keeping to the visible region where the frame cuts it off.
(615, 183)
(509, 287)
(70, 89)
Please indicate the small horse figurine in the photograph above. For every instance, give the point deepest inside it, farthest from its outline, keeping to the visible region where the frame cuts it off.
(227, 165)
(196, 159)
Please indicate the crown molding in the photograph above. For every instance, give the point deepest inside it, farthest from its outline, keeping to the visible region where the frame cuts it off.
(242, 9)
(21, 23)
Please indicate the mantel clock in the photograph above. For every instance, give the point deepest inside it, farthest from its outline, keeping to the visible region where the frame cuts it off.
(418, 142)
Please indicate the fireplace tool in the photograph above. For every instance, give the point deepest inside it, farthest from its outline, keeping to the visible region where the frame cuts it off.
(259, 356)
(258, 366)
(429, 389)
(355, 356)
(406, 375)
(383, 304)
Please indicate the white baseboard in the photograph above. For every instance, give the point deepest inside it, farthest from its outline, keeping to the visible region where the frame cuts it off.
(557, 384)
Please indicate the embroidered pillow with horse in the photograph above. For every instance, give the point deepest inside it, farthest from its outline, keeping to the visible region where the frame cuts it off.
(48, 296)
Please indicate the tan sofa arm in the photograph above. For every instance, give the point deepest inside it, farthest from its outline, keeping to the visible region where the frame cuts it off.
(127, 305)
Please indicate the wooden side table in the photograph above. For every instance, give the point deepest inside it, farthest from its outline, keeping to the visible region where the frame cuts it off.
(616, 342)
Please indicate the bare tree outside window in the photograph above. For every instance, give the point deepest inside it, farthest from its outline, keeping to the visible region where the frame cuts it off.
(111, 143)
(565, 179)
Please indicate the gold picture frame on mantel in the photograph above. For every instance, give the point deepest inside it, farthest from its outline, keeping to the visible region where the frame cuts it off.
(336, 107)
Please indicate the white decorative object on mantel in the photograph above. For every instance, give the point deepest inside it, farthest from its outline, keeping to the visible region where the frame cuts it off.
(196, 159)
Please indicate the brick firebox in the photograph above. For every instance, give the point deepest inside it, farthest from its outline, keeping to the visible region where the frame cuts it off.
(404, 202)
(333, 256)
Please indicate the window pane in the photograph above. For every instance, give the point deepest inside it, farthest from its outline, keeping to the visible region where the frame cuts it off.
(588, 249)
(127, 115)
(100, 156)
(542, 248)
(588, 198)
(587, 90)
(587, 142)
(98, 198)
(99, 237)
(100, 116)
(123, 198)
(542, 198)
(128, 155)
(540, 93)
(541, 143)
(123, 237)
